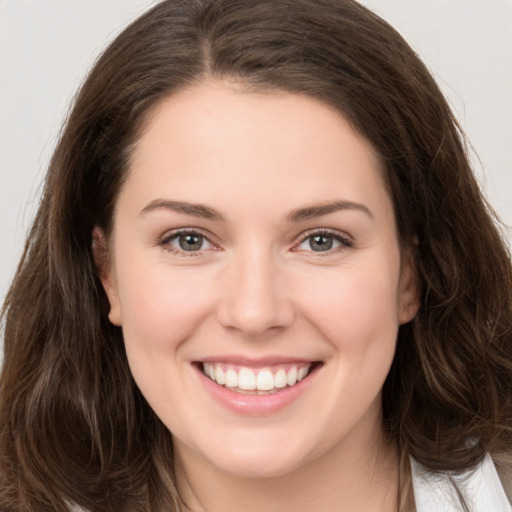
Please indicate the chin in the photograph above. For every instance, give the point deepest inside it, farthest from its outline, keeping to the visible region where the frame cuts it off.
(255, 457)
(259, 466)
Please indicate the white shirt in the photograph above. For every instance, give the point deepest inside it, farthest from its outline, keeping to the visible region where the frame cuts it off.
(481, 489)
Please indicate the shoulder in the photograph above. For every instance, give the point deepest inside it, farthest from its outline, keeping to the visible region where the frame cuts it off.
(480, 487)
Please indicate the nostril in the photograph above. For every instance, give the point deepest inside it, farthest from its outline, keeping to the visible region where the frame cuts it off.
(255, 318)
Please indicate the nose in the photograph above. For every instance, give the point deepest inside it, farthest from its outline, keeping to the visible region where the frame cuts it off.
(255, 299)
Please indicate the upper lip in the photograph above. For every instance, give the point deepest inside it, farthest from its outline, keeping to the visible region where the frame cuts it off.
(256, 362)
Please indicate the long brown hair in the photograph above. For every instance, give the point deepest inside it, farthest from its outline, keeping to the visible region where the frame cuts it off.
(73, 426)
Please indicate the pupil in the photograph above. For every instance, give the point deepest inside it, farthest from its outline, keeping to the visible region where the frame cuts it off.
(190, 242)
(321, 243)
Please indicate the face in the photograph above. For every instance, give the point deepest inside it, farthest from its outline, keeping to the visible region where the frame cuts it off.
(256, 273)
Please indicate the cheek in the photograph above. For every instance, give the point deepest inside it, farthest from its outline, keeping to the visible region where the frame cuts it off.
(357, 314)
(162, 306)
(355, 308)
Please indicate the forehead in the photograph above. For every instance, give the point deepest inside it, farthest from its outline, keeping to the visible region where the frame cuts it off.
(219, 141)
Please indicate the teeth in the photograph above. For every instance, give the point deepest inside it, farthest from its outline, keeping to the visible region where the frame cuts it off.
(246, 379)
(280, 379)
(243, 379)
(219, 376)
(265, 380)
(231, 378)
(291, 377)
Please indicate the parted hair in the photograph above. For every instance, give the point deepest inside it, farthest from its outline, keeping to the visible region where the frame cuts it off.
(74, 428)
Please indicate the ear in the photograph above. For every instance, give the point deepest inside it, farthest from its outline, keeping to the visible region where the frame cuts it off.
(409, 291)
(104, 267)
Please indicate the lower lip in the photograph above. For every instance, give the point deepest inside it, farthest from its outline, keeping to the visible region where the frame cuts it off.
(256, 405)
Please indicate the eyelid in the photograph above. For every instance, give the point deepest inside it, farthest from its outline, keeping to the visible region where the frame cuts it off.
(168, 236)
(346, 241)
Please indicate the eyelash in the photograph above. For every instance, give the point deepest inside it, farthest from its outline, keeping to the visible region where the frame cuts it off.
(344, 241)
(168, 238)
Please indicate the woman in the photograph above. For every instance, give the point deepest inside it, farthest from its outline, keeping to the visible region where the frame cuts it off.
(261, 275)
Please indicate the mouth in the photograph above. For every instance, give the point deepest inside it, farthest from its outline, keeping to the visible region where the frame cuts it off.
(265, 380)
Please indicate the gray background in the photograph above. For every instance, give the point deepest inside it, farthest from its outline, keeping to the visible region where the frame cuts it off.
(46, 47)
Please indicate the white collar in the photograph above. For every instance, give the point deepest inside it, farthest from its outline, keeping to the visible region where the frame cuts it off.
(481, 489)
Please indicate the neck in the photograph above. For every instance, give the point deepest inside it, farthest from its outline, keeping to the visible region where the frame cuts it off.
(352, 476)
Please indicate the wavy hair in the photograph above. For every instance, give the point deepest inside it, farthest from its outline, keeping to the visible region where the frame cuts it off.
(73, 426)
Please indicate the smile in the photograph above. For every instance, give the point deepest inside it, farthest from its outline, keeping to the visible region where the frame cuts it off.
(252, 381)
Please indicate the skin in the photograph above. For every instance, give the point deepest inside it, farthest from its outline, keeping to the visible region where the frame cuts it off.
(256, 288)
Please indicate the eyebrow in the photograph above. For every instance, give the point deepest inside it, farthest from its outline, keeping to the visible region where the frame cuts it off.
(194, 209)
(299, 215)
(313, 211)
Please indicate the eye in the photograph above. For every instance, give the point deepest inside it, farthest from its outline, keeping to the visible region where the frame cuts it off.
(324, 241)
(187, 241)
